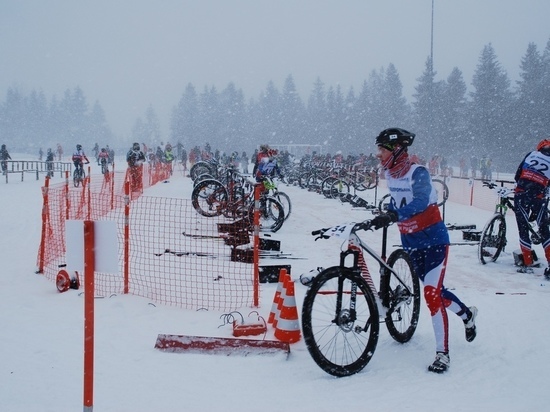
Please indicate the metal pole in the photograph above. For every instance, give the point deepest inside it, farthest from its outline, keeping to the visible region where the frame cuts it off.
(432, 41)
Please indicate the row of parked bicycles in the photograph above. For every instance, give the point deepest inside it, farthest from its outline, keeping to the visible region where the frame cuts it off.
(333, 180)
(346, 182)
(223, 190)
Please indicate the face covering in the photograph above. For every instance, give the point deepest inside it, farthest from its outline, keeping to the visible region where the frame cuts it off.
(398, 163)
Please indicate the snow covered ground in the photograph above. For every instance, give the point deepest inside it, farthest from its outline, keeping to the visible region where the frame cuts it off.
(41, 350)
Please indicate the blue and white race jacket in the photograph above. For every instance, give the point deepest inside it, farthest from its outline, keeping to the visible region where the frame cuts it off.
(533, 174)
(415, 200)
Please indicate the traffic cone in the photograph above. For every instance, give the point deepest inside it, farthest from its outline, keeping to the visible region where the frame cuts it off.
(288, 327)
(277, 297)
(282, 297)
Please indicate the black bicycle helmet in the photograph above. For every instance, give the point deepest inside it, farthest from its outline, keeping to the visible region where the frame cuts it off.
(388, 138)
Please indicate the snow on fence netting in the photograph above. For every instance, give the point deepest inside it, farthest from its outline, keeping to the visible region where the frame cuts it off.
(167, 251)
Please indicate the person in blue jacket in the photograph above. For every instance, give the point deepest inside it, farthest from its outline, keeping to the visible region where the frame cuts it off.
(424, 236)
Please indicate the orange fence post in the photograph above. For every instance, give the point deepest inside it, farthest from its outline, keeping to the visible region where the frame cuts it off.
(256, 280)
(87, 187)
(67, 201)
(89, 293)
(126, 257)
(45, 214)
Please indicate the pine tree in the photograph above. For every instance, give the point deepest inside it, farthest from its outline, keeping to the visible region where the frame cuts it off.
(428, 116)
(184, 123)
(453, 109)
(490, 110)
(529, 115)
(291, 124)
(317, 114)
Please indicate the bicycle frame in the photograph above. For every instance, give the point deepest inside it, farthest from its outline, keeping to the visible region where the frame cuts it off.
(506, 202)
(355, 247)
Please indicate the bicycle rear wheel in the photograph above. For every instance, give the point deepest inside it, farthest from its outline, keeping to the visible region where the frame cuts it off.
(403, 301)
(201, 168)
(340, 321)
(492, 240)
(384, 202)
(209, 198)
(442, 191)
(370, 181)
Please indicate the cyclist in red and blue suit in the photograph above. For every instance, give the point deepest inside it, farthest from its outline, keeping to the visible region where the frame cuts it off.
(424, 236)
(530, 202)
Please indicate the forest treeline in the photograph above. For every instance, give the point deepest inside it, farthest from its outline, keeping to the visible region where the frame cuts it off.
(496, 119)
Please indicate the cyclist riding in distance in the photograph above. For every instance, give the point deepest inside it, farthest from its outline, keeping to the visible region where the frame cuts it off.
(532, 181)
(424, 236)
(103, 156)
(79, 156)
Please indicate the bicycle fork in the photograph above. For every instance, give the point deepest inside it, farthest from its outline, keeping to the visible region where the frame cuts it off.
(361, 267)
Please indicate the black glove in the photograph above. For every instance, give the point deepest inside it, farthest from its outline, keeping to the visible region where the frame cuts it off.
(384, 219)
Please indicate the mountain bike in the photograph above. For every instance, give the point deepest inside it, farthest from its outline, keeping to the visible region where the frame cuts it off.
(79, 175)
(342, 308)
(104, 166)
(492, 240)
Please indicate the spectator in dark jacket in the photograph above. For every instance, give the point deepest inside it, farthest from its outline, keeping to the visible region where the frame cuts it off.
(4, 157)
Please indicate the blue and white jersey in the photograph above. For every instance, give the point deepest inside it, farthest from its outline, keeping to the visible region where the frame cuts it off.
(415, 200)
(533, 174)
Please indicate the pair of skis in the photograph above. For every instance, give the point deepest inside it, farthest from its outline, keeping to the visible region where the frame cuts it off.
(263, 254)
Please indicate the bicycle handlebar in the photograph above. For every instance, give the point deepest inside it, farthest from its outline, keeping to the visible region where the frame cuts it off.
(364, 225)
(490, 185)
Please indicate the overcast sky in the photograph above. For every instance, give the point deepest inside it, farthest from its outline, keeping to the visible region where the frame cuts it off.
(133, 53)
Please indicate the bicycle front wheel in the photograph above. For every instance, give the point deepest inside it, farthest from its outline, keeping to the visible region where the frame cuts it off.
(326, 185)
(272, 214)
(284, 199)
(76, 178)
(340, 321)
(492, 240)
(339, 188)
(403, 299)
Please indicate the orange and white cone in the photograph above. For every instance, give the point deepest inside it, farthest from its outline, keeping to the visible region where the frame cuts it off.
(273, 315)
(288, 326)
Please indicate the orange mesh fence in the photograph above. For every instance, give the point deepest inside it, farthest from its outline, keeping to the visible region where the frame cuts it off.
(167, 251)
